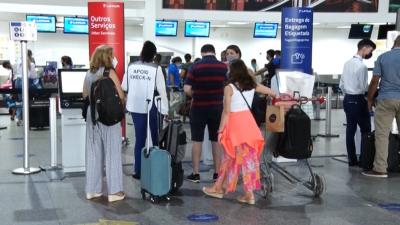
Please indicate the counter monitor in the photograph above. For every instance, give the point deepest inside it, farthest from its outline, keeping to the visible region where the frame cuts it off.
(197, 29)
(166, 28)
(44, 23)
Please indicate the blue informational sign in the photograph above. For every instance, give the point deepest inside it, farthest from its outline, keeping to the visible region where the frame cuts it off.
(43, 23)
(265, 30)
(297, 33)
(76, 25)
(197, 29)
(166, 28)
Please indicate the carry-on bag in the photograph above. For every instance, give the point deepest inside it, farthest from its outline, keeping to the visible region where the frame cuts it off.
(393, 154)
(39, 113)
(367, 151)
(173, 139)
(156, 172)
(296, 142)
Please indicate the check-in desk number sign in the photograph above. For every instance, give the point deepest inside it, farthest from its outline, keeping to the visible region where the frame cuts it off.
(23, 31)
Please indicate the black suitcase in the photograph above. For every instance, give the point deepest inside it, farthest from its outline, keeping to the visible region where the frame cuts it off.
(295, 142)
(173, 139)
(177, 176)
(393, 153)
(39, 114)
(367, 151)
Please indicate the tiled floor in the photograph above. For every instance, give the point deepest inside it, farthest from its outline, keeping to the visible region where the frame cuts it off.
(349, 199)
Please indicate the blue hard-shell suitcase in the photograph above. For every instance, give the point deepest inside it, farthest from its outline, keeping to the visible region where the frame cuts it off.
(156, 171)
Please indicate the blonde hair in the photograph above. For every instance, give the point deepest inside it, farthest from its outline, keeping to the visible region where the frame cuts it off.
(101, 57)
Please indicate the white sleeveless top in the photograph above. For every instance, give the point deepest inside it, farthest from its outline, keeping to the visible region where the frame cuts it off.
(237, 103)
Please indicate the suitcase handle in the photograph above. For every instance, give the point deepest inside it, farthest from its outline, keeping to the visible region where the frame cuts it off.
(147, 153)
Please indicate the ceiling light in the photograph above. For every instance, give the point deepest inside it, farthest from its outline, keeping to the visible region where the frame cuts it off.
(343, 27)
(219, 25)
(237, 23)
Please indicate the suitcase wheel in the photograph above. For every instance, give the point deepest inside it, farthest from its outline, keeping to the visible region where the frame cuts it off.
(319, 187)
(143, 194)
(154, 199)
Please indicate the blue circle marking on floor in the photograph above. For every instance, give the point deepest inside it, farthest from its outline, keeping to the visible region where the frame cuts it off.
(390, 206)
(203, 218)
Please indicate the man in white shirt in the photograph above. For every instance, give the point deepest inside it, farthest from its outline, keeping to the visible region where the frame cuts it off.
(354, 85)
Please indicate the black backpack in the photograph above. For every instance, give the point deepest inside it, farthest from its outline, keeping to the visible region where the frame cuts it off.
(295, 142)
(105, 100)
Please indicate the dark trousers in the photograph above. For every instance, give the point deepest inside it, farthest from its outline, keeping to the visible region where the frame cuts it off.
(356, 109)
(140, 123)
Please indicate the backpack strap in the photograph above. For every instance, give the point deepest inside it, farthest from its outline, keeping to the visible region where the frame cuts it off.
(106, 72)
(92, 103)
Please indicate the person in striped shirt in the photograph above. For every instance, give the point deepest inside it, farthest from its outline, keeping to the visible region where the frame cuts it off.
(205, 84)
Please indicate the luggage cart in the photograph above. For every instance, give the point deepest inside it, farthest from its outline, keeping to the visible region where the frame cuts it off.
(315, 183)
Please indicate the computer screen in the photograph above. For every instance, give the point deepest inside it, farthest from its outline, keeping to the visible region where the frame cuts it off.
(45, 24)
(360, 31)
(383, 30)
(265, 30)
(75, 25)
(197, 29)
(166, 28)
(71, 81)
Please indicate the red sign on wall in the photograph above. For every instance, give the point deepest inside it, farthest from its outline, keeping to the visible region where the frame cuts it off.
(106, 27)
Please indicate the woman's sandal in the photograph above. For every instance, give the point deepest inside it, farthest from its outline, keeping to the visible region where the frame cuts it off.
(243, 199)
(213, 194)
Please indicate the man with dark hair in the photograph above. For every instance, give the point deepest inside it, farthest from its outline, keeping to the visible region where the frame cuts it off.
(205, 84)
(354, 85)
(142, 81)
(269, 67)
(174, 77)
(387, 76)
(185, 67)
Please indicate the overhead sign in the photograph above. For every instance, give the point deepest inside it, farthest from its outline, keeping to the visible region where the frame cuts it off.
(23, 31)
(296, 38)
(106, 27)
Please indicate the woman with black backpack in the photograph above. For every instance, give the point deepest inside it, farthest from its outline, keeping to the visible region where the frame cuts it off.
(102, 140)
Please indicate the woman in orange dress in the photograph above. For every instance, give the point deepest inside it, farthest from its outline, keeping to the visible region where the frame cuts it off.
(240, 136)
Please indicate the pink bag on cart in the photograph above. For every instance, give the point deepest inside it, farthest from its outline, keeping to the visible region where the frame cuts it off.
(6, 85)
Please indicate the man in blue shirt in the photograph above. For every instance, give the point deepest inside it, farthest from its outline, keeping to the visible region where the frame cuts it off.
(174, 77)
(387, 76)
